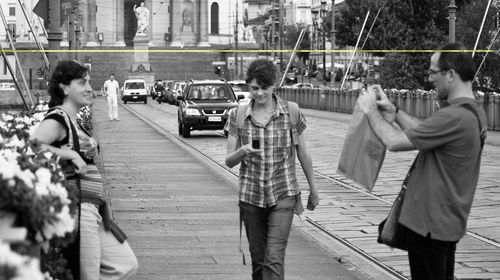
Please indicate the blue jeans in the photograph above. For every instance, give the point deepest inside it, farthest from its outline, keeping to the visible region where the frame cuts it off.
(267, 231)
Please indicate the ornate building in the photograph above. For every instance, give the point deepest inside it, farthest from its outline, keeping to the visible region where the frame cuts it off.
(175, 23)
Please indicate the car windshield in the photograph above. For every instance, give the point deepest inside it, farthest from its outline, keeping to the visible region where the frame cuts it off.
(210, 92)
(240, 87)
(134, 85)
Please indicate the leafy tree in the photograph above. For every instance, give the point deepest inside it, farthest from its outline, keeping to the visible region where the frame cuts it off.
(401, 25)
(292, 33)
(469, 19)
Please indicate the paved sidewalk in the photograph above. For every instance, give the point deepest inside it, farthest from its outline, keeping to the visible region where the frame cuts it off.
(353, 216)
(181, 214)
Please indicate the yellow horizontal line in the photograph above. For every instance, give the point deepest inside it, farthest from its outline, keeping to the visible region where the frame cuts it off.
(241, 51)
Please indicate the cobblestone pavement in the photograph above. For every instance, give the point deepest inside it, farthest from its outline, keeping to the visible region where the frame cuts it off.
(354, 216)
(181, 214)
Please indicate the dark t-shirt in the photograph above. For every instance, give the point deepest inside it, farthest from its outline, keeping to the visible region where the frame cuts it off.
(442, 186)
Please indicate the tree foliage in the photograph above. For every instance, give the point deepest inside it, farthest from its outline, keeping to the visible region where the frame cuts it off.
(401, 25)
(291, 37)
(469, 21)
(417, 25)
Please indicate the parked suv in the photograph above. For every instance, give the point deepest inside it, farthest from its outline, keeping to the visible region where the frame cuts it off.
(205, 105)
(241, 87)
(134, 90)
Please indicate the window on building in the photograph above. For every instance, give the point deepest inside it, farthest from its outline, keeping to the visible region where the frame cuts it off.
(214, 18)
(12, 29)
(12, 11)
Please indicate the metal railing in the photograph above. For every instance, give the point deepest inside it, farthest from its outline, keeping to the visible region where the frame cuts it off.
(418, 103)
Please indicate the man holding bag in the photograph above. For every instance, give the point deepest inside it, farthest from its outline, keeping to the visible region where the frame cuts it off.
(441, 186)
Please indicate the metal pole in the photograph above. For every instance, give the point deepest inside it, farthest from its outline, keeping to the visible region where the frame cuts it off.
(370, 30)
(55, 34)
(35, 35)
(481, 29)
(7, 63)
(281, 16)
(486, 54)
(77, 28)
(16, 58)
(236, 41)
(452, 9)
(332, 34)
(324, 56)
(297, 44)
(354, 52)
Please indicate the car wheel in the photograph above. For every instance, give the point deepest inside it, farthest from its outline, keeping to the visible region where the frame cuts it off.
(124, 101)
(145, 101)
(226, 133)
(186, 132)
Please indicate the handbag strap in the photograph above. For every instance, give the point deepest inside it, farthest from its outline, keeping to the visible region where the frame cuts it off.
(482, 131)
(407, 178)
(241, 228)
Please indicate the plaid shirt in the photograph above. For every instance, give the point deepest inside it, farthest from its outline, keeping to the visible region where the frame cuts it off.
(268, 176)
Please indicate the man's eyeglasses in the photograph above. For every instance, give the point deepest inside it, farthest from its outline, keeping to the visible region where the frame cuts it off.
(432, 71)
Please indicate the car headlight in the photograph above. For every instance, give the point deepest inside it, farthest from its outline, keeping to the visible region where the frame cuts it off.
(192, 112)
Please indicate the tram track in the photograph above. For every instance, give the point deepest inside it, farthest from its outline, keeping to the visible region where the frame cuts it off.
(394, 274)
(386, 268)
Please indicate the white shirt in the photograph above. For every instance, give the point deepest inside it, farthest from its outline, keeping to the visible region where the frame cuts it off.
(111, 87)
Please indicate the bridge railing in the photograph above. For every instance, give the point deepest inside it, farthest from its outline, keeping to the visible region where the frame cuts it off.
(418, 103)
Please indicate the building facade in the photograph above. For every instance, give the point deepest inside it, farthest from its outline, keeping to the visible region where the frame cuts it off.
(175, 23)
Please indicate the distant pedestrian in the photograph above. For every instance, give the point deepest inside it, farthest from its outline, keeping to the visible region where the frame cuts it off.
(264, 137)
(101, 251)
(111, 88)
(442, 183)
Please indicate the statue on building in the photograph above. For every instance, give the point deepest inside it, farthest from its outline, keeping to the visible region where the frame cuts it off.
(245, 33)
(187, 21)
(142, 14)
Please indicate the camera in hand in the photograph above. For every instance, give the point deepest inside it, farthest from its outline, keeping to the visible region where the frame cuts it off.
(256, 144)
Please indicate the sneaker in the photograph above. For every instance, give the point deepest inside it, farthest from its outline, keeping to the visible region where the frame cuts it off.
(117, 119)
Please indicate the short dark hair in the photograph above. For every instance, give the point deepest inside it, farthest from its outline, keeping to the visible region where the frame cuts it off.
(263, 71)
(65, 72)
(111, 74)
(454, 56)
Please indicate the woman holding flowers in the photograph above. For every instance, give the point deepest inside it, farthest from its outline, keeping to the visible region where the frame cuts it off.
(103, 251)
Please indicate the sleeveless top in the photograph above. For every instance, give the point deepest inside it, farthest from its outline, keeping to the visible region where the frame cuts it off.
(91, 183)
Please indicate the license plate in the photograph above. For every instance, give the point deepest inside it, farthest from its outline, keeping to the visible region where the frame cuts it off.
(134, 97)
(214, 119)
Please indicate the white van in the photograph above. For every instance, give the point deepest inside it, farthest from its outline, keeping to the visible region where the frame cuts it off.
(134, 90)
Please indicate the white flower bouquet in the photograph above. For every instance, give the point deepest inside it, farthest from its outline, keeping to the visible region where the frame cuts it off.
(17, 267)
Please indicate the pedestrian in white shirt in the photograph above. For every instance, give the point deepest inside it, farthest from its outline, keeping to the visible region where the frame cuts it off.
(111, 87)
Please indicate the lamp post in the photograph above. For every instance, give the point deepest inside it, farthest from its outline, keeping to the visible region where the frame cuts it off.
(319, 27)
(452, 9)
(332, 34)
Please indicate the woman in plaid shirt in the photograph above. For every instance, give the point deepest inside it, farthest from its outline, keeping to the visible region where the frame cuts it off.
(269, 191)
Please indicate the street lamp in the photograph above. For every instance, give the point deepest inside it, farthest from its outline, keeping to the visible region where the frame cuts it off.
(332, 34)
(320, 27)
(452, 9)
